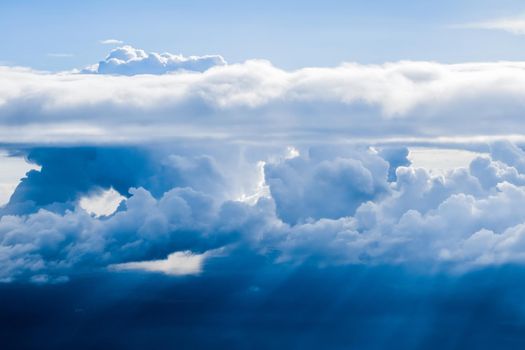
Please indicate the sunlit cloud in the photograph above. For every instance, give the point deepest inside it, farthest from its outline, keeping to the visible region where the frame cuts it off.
(176, 264)
(111, 42)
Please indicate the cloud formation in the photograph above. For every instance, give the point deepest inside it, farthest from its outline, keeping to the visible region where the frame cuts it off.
(111, 42)
(300, 185)
(127, 60)
(351, 212)
(255, 101)
(176, 264)
(513, 25)
(260, 162)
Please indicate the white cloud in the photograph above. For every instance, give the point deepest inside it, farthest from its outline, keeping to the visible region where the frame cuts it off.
(127, 60)
(300, 185)
(12, 170)
(111, 42)
(288, 173)
(256, 101)
(513, 25)
(176, 264)
(104, 203)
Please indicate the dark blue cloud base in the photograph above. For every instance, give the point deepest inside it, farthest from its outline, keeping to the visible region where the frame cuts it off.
(260, 306)
(347, 248)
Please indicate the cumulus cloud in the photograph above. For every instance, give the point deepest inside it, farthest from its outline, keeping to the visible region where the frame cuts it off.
(69, 174)
(255, 101)
(13, 169)
(127, 60)
(326, 206)
(104, 203)
(262, 162)
(300, 186)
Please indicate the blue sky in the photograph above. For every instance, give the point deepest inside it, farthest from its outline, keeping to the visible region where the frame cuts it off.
(289, 33)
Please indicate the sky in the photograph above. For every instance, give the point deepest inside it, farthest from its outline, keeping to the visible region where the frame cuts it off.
(58, 35)
(261, 175)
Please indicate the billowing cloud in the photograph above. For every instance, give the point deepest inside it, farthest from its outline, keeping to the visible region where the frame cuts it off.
(14, 168)
(326, 206)
(305, 167)
(255, 101)
(300, 185)
(127, 60)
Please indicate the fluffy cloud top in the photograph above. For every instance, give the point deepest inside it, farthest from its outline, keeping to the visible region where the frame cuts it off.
(324, 201)
(127, 60)
(328, 206)
(300, 186)
(256, 101)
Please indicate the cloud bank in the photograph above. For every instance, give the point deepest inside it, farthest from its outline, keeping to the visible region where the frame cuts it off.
(327, 206)
(255, 101)
(189, 203)
(260, 162)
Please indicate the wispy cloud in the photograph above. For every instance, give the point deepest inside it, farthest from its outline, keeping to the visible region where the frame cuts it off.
(111, 42)
(514, 25)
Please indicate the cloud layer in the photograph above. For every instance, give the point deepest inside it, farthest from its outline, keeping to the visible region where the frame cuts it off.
(256, 101)
(328, 206)
(256, 161)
